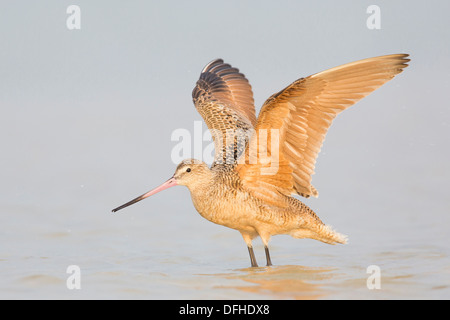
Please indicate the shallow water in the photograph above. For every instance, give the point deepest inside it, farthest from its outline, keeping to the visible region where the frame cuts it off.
(127, 259)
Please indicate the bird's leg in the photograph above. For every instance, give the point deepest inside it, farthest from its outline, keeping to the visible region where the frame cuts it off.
(248, 240)
(252, 256)
(269, 262)
(265, 237)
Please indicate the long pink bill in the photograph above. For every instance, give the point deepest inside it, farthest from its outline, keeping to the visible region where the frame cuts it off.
(169, 183)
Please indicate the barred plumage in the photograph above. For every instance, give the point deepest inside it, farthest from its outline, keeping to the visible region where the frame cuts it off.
(249, 186)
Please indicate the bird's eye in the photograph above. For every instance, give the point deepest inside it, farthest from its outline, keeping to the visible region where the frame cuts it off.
(188, 170)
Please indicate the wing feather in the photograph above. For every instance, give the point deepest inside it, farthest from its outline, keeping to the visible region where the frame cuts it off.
(224, 99)
(302, 114)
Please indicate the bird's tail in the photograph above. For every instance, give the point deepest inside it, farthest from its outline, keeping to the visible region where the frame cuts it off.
(322, 233)
(330, 236)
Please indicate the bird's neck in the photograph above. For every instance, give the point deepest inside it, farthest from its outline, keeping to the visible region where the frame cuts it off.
(202, 183)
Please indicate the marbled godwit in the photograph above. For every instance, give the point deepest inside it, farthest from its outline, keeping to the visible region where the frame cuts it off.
(240, 191)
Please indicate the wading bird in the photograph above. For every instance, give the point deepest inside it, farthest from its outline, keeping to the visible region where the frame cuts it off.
(250, 184)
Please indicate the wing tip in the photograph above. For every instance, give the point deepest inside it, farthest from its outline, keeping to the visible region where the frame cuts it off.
(401, 58)
(212, 63)
(404, 57)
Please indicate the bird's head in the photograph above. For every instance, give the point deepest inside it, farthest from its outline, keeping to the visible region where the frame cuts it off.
(190, 173)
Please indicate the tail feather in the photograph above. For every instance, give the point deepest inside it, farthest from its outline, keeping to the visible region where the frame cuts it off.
(331, 236)
(322, 233)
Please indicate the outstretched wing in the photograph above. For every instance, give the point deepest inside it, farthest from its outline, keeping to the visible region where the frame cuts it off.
(299, 117)
(224, 99)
